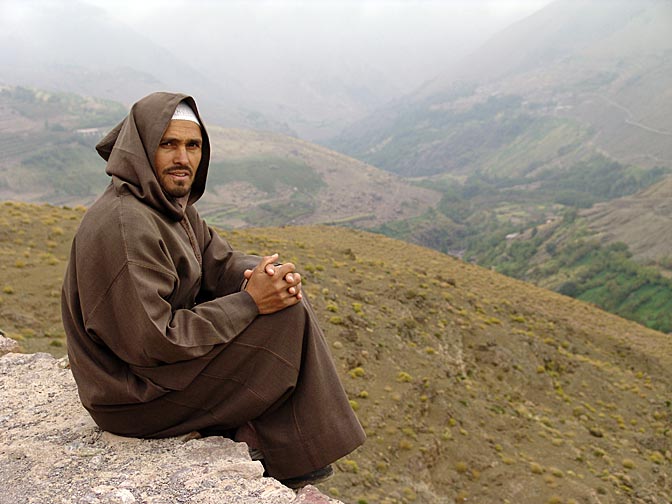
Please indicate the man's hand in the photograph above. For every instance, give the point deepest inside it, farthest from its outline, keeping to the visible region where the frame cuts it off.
(272, 287)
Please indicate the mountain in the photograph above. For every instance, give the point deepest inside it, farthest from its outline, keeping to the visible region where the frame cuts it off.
(552, 145)
(71, 46)
(261, 178)
(241, 75)
(47, 154)
(47, 145)
(472, 386)
(574, 79)
(641, 220)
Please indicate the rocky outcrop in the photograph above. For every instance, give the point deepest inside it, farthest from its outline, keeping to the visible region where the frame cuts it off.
(51, 451)
(7, 345)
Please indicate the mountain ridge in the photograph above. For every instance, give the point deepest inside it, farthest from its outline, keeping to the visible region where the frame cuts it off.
(582, 80)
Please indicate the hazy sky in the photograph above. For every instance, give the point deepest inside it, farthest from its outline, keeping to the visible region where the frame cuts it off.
(321, 62)
(423, 34)
(498, 11)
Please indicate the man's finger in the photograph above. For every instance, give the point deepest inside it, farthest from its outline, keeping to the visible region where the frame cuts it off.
(266, 262)
(295, 290)
(285, 269)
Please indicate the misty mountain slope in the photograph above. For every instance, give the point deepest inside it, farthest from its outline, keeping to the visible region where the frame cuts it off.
(641, 220)
(70, 46)
(472, 386)
(564, 110)
(47, 154)
(75, 47)
(598, 30)
(604, 65)
(260, 178)
(47, 145)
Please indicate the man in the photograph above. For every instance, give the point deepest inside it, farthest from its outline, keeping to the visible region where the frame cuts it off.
(170, 331)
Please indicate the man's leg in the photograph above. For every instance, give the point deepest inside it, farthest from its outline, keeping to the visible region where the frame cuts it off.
(279, 375)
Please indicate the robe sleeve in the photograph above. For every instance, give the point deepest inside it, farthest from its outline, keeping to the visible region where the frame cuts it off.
(135, 320)
(222, 266)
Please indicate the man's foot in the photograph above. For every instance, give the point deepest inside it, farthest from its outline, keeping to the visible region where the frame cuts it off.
(312, 478)
(255, 453)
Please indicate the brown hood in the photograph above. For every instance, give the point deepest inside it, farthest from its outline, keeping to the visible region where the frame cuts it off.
(129, 151)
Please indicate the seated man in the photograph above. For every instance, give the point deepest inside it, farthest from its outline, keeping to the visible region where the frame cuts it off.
(171, 331)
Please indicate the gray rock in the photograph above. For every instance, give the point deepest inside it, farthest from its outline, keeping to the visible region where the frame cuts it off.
(7, 345)
(52, 452)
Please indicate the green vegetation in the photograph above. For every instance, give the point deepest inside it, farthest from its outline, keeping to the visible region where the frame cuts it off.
(268, 174)
(467, 135)
(527, 227)
(71, 111)
(605, 275)
(72, 169)
(596, 179)
(47, 147)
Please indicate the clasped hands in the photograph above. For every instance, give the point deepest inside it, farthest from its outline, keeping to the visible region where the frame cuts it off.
(273, 287)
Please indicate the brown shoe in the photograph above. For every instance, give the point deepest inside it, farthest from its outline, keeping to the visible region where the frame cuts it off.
(312, 478)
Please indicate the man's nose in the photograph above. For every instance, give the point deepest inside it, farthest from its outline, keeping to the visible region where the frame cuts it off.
(181, 157)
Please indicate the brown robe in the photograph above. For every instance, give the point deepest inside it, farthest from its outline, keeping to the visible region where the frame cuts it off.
(161, 338)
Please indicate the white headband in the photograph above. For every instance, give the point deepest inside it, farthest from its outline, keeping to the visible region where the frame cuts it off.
(183, 112)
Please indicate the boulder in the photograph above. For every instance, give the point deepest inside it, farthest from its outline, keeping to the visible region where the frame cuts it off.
(51, 451)
(7, 345)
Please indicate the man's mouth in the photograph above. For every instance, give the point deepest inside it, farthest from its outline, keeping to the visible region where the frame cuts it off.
(181, 174)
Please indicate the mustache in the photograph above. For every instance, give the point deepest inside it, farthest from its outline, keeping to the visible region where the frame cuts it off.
(174, 169)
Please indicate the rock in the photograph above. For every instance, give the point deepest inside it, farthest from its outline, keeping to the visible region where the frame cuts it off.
(594, 431)
(51, 451)
(7, 345)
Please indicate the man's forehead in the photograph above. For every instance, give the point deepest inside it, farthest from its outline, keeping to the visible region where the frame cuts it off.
(184, 129)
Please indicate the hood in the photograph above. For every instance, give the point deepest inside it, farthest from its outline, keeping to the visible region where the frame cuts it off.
(129, 151)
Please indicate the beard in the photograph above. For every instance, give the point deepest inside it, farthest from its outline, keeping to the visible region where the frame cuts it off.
(176, 187)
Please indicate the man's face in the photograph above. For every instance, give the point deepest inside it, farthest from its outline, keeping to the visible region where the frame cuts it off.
(178, 156)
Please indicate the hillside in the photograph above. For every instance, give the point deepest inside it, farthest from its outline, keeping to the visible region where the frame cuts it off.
(641, 220)
(575, 78)
(268, 179)
(47, 155)
(563, 113)
(472, 386)
(47, 145)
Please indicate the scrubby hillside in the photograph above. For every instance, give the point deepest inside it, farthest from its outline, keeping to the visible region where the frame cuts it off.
(472, 387)
(47, 145)
(268, 179)
(564, 112)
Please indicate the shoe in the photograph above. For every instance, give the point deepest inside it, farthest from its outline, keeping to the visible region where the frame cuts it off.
(312, 478)
(255, 454)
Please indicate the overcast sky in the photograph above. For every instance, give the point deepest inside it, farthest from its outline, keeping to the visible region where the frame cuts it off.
(319, 64)
(421, 35)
